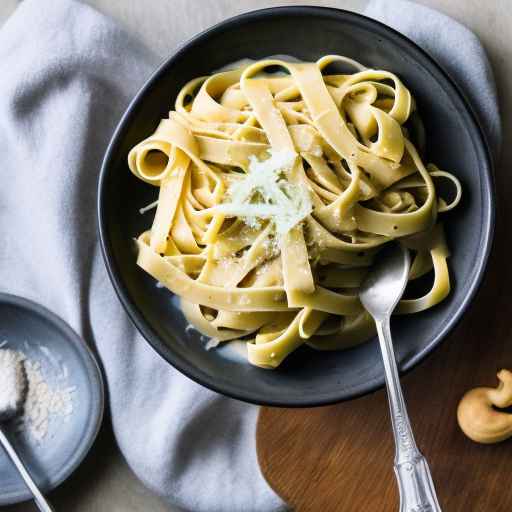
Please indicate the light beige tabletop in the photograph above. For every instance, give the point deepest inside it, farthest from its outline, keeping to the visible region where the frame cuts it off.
(104, 482)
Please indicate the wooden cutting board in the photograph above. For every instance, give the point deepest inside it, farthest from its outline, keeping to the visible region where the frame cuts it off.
(339, 458)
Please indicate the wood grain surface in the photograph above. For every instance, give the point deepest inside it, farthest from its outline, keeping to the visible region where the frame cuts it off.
(339, 458)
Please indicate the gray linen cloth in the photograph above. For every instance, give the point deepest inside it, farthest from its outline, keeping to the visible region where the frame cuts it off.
(455, 48)
(67, 73)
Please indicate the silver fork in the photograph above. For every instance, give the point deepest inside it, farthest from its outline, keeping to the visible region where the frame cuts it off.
(380, 293)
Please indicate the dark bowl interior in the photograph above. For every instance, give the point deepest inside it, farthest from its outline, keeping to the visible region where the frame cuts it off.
(454, 142)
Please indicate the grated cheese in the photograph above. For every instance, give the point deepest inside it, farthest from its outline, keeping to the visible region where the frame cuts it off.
(13, 381)
(266, 193)
(43, 402)
(150, 206)
(212, 343)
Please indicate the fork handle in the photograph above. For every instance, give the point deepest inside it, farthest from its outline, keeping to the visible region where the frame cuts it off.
(39, 499)
(417, 492)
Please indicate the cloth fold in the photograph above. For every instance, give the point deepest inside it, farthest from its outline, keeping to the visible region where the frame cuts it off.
(455, 48)
(64, 87)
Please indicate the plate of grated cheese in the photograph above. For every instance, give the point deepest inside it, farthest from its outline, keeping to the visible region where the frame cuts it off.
(63, 407)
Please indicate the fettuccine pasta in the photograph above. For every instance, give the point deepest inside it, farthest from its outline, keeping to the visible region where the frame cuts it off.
(276, 191)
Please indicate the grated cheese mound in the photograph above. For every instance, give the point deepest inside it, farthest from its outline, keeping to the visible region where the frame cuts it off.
(13, 380)
(42, 401)
(266, 193)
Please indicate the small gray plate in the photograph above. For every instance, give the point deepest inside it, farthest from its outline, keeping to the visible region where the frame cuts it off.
(45, 338)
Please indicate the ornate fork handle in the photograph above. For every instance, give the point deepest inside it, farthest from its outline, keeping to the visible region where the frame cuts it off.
(417, 492)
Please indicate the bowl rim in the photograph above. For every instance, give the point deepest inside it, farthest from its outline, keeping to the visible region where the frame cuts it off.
(487, 173)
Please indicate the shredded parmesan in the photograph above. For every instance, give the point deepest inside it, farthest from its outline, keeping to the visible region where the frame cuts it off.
(212, 343)
(13, 381)
(150, 206)
(44, 402)
(265, 192)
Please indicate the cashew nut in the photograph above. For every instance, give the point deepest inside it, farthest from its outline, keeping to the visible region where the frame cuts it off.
(479, 420)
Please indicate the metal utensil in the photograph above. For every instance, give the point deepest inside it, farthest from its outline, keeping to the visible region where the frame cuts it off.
(380, 293)
(7, 414)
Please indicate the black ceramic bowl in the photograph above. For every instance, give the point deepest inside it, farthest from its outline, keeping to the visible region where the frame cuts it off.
(455, 142)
